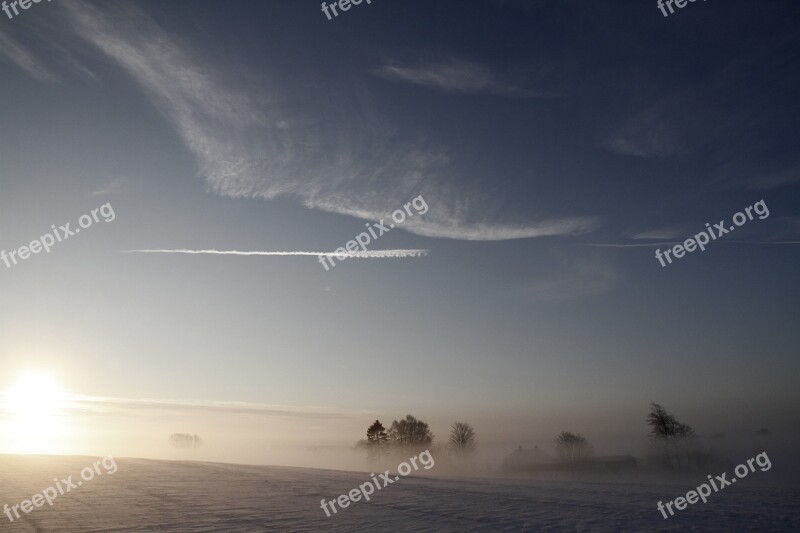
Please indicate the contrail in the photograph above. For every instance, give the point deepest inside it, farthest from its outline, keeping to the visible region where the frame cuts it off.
(670, 243)
(368, 254)
(638, 245)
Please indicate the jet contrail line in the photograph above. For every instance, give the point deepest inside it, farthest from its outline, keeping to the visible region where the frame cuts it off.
(368, 254)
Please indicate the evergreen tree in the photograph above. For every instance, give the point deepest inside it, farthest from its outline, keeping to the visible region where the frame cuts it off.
(377, 440)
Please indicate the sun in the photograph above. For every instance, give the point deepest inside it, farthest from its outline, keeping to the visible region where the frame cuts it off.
(35, 409)
(34, 395)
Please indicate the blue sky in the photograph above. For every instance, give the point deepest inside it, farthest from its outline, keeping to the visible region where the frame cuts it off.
(554, 144)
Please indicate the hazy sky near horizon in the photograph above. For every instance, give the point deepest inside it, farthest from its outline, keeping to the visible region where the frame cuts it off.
(554, 142)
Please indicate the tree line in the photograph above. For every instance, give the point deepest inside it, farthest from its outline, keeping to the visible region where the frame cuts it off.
(185, 440)
(410, 435)
(674, 442)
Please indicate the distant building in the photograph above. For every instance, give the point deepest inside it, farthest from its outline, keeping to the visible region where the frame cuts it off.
(522, 460)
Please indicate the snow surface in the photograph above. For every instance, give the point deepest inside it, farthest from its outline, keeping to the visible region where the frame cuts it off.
(148, 495)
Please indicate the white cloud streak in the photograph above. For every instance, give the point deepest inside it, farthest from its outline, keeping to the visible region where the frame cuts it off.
(367, 254)
(105, 405)
(663, 233)
(112, 187)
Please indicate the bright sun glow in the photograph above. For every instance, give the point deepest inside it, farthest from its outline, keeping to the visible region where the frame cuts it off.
(34, 395)
(35, 414)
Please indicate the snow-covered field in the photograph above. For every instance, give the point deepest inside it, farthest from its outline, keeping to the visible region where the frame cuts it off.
(147, 495)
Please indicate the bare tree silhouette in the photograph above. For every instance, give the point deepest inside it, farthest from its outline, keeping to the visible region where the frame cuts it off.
(572, 448)
(410, 434)
(662, 424)
(462, 437)
(666, 429)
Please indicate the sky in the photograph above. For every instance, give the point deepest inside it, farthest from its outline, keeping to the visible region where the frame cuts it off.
(556, 146)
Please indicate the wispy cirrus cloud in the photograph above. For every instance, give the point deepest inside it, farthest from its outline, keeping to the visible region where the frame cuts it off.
(650, 133)
(661, 233)
(500, 232)
(454, 76)
(252, 142)
(578, 278)
(13, 51)
(735, 177)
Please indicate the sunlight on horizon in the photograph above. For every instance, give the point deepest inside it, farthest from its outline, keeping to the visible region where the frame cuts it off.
(35, 417)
